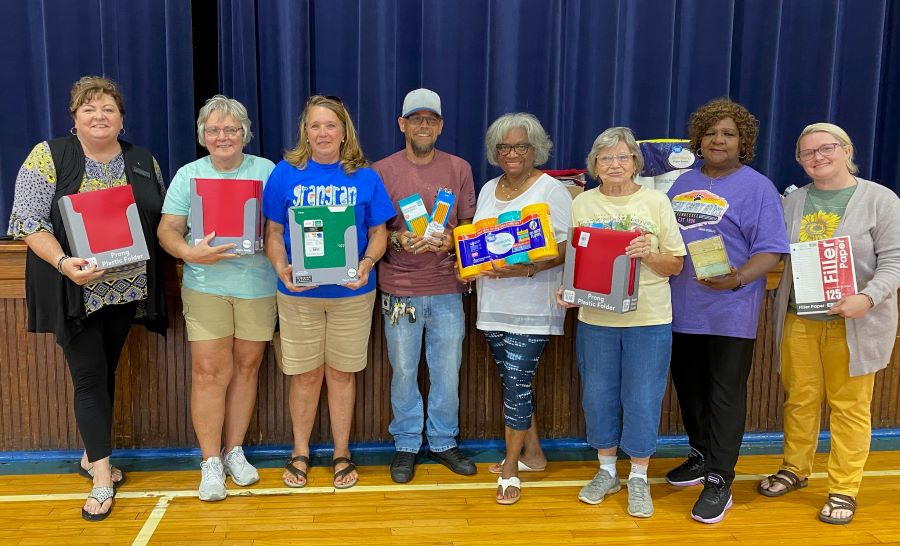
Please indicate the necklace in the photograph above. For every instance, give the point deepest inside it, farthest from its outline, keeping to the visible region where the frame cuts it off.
(713, 179)
(510, 190)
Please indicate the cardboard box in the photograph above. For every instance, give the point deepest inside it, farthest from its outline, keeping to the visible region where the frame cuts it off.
(597, 273)
(323, 245)
(230, 207)
(104, 227)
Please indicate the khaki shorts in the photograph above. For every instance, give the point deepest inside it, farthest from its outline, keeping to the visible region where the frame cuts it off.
(209, 316)
(316, 331)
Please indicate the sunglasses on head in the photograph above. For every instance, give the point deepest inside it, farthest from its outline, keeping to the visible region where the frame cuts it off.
(332, 98)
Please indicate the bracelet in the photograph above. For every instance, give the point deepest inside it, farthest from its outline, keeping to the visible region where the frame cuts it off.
(59, 263)
(740, 278)
(532, 272)
(868, 297)
(371, 259)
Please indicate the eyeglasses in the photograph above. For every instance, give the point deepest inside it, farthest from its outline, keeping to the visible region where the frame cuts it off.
(521, 149)
(229, 131)
(825, 150)
(417, 119)
(622, 159)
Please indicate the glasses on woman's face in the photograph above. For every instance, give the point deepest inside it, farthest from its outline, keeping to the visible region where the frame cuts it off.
(825, 150)
(229, 131)
(521, 149)
(622, 159)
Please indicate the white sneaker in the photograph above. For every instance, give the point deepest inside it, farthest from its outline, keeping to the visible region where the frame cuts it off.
(242, 473)
(212, 480)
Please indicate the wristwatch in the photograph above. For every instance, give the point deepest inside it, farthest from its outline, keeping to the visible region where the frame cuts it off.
(395, 241)
(740, 279)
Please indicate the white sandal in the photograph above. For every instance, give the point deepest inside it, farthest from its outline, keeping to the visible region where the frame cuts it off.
(506, 483)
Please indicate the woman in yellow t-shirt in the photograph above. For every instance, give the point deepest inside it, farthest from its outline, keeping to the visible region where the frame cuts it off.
(624, 358)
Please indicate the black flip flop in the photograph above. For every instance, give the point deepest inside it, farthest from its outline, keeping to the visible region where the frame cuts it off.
(101, 495)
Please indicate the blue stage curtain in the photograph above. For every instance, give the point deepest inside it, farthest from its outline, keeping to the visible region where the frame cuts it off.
(579, 66)
(145, 45)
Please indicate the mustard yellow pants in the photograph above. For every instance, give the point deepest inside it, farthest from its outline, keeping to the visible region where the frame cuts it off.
(815, 367)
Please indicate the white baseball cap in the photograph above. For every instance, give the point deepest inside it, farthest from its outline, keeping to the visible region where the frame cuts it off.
(421, 99)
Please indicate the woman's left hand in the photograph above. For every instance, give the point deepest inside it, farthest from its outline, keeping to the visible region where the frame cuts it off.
(722, 282)
(561, 302)
(851, 307)
(639, 247)
(362, 274)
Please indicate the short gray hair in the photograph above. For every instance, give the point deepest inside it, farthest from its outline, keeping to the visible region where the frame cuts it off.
(537, 136)
(225, 106)
(609, 139)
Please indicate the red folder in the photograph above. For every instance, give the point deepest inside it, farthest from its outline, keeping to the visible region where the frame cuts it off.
(103, 215)
(223, 204)
(594, 262)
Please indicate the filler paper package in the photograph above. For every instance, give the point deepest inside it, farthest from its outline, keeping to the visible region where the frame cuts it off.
(323, 245)
(104, 227)
(232, 208)
(597, 273)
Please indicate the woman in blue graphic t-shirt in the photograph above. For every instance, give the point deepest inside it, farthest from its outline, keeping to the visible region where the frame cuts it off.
(325, 329)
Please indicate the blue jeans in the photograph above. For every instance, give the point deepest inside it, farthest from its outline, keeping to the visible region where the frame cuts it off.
(442, 320)
(623, 380)
(517, 356)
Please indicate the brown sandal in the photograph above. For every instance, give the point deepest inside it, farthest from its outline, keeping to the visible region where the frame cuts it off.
(296, 472)
(339, 474)
(788, 479)
(837, 501)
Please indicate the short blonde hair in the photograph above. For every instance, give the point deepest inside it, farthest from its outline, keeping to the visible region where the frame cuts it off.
(839, 134)
(88, 88)
(351, 154)
(610, 138)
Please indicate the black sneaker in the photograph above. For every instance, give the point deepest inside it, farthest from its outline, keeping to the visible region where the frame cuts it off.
(690, 472)
(454, 459)
(714, 500)
(403, 466)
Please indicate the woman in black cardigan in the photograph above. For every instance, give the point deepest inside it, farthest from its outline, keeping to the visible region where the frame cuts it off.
(90, 310)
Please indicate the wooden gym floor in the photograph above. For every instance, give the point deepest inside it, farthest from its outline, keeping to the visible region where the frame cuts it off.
(439, 507)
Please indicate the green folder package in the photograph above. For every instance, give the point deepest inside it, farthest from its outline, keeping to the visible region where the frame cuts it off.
(323, 245)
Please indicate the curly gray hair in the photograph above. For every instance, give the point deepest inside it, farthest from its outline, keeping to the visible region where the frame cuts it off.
(537, 136)
(610, 138)
(225, 106)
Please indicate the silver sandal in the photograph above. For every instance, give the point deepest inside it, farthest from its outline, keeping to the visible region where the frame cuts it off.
(101, 495)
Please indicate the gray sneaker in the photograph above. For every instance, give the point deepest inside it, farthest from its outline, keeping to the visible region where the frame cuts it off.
(640, 505)
(212, 480)
(602, 485)
(242, 473)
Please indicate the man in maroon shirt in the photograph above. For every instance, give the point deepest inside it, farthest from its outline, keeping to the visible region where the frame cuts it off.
(420, 293)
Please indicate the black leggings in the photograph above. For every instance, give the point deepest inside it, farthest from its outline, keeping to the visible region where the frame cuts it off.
(710, 377)
(93, 356)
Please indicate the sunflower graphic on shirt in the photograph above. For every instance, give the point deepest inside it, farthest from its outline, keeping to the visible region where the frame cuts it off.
(818, 225)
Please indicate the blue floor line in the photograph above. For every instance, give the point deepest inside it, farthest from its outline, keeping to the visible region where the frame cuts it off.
(375, 453)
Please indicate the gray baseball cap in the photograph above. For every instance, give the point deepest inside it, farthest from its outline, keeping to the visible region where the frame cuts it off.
(421, 99)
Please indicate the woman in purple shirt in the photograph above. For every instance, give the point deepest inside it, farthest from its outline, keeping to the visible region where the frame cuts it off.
(714, 320)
